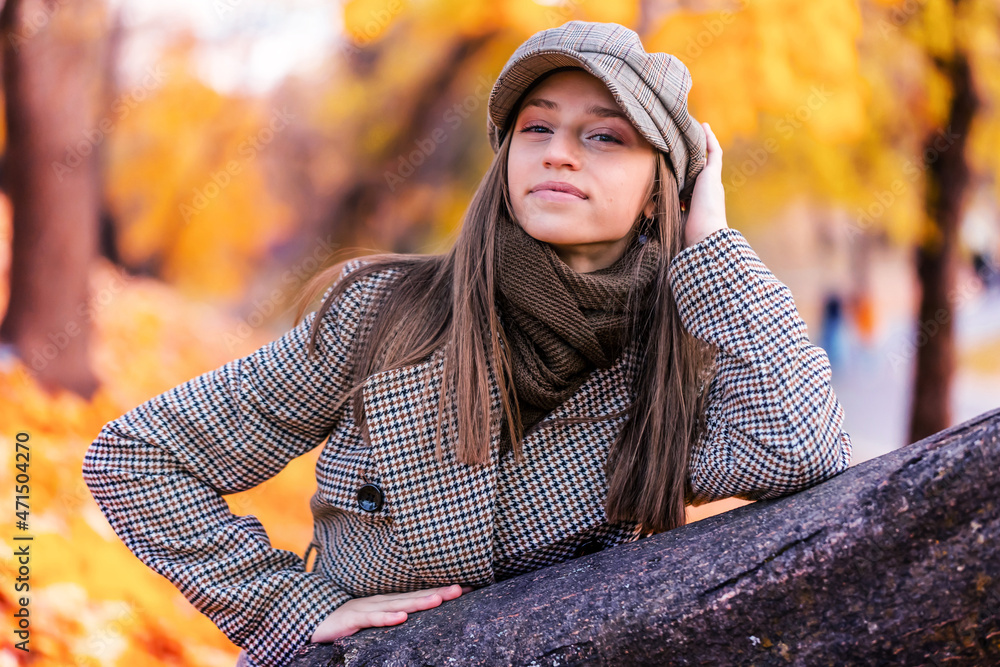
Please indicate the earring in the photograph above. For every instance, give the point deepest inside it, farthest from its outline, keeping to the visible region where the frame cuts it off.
(646, 223)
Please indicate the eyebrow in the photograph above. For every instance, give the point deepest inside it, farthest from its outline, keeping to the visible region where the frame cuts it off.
(593, 110)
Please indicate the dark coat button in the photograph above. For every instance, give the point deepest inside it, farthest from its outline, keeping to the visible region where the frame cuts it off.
(370, 498)
(591, 547)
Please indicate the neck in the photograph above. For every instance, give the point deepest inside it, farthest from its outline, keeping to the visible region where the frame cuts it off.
(590, 257)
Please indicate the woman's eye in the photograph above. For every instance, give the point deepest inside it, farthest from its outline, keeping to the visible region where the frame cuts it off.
(609, 136)
(613, 138)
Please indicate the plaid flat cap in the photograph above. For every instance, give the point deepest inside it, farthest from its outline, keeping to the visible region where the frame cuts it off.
(651, 88)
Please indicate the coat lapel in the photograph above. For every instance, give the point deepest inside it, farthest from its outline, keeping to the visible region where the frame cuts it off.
(560, 489)
(443, 513)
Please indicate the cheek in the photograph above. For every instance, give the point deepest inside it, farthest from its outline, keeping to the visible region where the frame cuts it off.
(630, 182)
(516, 171)
(624, 188)
(514, 183)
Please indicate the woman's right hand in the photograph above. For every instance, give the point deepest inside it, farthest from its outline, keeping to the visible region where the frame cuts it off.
(707, 211)
(381, 610)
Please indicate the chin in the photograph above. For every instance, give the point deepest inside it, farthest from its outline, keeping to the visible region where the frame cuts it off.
(556, 232)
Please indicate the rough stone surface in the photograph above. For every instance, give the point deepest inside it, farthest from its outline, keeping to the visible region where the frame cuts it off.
(893, 562)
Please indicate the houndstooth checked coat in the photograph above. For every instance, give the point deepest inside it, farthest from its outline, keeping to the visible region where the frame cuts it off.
(160, 471)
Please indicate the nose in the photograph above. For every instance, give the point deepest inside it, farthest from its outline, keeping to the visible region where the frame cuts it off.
(562, 149)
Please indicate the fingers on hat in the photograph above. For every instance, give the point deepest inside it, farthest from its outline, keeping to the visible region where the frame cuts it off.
(713, 141)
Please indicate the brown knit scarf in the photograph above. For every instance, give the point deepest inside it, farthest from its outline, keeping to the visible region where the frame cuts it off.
(561, 324)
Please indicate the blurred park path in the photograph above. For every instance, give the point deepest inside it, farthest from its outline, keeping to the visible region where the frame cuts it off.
(874, 388)
(873, 375)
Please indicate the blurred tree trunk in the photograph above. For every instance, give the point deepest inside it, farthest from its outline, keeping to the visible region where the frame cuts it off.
(947, 184)
(51, 73)
(110, 84)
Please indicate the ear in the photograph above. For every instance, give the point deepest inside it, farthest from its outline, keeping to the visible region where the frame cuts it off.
(648, 211)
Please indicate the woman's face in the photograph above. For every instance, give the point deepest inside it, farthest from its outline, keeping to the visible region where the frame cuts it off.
(570, 130)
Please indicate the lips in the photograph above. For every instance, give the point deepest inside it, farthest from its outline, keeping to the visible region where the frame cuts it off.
(559, 186)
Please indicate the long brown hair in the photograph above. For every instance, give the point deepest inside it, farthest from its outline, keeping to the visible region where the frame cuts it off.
(448, 300)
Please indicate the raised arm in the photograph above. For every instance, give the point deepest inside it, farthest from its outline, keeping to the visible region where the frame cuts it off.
(773, 421)
(159, 472)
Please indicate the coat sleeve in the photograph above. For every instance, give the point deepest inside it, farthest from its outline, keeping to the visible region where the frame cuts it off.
(773, 423)
(160, 471)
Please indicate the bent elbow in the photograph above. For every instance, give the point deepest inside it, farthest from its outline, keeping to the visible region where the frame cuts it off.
(103, 456)
(94, 460)
(824, 459)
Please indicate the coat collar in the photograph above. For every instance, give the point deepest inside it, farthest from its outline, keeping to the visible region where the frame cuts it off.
(443, 512)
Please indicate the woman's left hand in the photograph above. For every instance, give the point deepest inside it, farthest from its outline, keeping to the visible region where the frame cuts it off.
(707, 210)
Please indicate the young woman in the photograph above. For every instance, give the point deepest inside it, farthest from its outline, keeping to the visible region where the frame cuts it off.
(596, 351)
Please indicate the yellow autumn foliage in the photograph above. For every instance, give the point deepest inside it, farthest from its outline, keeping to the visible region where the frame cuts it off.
(93, 603)
(186, 181)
